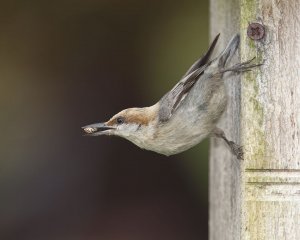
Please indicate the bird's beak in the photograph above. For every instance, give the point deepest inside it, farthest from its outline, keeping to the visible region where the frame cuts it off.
(96, 129)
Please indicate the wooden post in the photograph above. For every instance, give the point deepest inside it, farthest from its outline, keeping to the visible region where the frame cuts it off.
(259, 198)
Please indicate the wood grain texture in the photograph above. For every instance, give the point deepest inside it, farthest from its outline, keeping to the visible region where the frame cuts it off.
(260, 197)
(225, 178)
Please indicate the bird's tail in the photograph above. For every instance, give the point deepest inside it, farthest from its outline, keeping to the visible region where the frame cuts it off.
(229, 51)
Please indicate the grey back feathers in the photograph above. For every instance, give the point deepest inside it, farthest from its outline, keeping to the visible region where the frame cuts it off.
(170, 102)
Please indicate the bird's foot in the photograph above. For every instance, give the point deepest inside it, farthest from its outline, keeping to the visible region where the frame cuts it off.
(236, 150)
(242, 67)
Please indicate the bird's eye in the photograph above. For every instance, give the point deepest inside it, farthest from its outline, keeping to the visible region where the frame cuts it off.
(120, 120)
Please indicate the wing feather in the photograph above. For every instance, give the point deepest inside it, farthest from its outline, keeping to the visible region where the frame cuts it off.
(170, 101)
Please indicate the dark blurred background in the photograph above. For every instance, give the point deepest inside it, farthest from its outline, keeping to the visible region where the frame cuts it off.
(65, 64)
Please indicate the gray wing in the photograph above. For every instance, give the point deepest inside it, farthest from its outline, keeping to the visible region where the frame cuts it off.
(171, 100)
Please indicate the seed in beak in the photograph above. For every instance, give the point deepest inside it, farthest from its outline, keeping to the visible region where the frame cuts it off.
(90, 130)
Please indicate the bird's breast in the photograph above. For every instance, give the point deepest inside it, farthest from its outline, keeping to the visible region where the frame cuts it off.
(177, 135)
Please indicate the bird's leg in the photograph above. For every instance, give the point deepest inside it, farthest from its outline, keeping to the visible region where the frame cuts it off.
(236, 149)
(241, 67)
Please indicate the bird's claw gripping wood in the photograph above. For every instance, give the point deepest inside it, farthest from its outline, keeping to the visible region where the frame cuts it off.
(236, 149)
(242, 67)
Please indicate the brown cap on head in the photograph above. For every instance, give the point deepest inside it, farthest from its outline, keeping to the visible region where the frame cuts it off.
(140, 116)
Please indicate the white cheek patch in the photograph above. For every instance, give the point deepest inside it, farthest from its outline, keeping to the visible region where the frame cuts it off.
(127, 130)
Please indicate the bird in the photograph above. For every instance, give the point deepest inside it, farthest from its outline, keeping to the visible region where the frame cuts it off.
(185, 115)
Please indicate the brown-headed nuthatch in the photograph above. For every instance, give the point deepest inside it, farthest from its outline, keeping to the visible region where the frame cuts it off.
(185, 115)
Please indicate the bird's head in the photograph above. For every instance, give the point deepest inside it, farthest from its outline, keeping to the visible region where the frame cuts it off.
(130, 123)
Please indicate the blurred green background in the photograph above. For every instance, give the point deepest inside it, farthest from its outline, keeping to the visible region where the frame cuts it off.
(65, 64)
